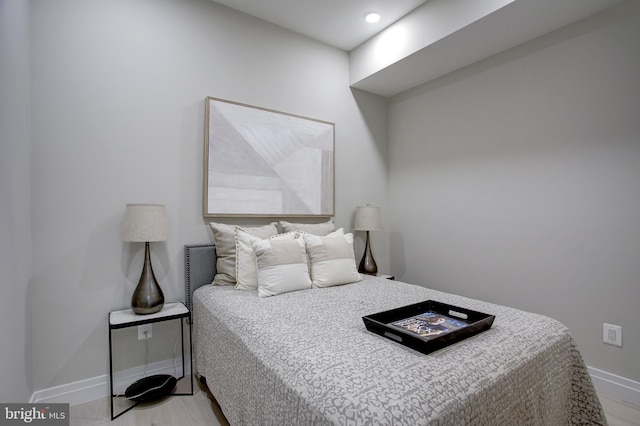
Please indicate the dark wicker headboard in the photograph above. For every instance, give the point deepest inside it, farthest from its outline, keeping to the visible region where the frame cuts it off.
(199, 268)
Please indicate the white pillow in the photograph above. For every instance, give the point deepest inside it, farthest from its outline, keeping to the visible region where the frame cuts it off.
(332, 260)
(339, 231)
(312, 228)
(224, 239)
(282, 266)
(246, 267)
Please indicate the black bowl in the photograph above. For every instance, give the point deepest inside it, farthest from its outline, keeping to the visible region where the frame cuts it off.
(151, 388)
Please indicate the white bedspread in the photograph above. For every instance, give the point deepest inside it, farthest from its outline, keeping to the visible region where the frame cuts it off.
(306, 358)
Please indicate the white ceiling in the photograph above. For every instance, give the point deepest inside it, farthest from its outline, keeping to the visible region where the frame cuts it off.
(339, 23)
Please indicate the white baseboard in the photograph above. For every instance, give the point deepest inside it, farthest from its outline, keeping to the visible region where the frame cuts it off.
(74, 393)
(615, 386)
(95, 388)
(88, 390)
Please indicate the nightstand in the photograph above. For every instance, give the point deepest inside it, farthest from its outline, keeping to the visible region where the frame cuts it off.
(127, 318)
(389, 277)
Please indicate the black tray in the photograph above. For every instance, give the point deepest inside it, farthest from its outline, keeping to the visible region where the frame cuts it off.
(428, 336)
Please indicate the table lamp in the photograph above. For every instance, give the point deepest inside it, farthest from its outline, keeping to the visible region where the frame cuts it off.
(367, 219)
(145, 223)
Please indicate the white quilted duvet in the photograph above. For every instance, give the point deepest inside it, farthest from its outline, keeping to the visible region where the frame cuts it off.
(306, 358)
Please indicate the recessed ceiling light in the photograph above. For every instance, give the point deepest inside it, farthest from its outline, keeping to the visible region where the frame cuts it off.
(372, 17)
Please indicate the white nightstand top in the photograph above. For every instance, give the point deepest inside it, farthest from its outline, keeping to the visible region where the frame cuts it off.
(389, 277)
(127, 315)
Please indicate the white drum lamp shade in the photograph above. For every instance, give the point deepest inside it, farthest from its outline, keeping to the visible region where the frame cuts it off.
(144, 223)
(367, 219)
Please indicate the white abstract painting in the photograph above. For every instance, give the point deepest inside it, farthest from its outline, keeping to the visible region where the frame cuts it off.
(260, 162)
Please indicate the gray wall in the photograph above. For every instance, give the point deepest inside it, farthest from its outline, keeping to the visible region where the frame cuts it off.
(118, 117)
(517, 180)
(15, 200)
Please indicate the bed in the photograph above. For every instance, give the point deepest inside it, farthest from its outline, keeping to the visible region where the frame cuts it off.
(306, 358)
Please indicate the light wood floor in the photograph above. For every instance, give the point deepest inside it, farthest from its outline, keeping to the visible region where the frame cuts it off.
(196, 410)
(199, 410)
(620, 413)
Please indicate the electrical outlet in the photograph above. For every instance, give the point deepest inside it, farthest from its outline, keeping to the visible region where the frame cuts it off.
(144, 331)
(612, 334)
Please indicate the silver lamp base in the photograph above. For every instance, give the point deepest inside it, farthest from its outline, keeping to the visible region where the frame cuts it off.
(147, 298)
(368, 264)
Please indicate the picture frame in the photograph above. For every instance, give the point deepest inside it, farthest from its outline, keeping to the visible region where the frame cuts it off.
(266, 163)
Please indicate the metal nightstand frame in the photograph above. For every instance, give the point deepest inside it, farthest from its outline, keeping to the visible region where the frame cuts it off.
(126, 318)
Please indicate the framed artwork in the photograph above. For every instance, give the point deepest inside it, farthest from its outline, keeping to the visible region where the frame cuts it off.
(261, 162)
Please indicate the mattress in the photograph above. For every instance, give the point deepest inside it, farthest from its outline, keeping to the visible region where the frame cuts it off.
(306, 358)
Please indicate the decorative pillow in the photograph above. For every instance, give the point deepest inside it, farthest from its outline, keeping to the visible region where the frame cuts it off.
(332, 260)
(224, 237)
(311, 228)
(246, 267)
(282, 266)
(337, 232)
